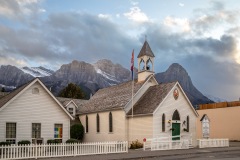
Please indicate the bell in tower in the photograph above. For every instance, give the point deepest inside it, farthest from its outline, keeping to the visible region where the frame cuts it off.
(145, 62)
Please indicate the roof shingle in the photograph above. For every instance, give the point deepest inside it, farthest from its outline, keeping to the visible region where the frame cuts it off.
(145, 51)
(150, 100)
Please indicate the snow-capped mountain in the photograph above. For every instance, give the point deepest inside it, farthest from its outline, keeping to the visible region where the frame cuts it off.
(37, 71)
(215, 99)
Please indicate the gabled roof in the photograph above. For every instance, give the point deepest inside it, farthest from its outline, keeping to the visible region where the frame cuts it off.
(151, 99)
(13, 95)
(66, 101)
(145, 51)
(110, 98)
(9, 96)
(205, 115)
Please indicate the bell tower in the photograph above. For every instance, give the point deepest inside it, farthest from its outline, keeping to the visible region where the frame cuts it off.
(145, 62)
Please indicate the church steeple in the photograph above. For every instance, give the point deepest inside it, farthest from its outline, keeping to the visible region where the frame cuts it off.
(145, 62)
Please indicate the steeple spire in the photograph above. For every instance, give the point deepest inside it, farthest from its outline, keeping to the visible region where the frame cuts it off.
(145, 61)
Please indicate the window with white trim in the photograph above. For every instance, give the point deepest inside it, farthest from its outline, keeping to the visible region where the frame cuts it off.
(11, 130)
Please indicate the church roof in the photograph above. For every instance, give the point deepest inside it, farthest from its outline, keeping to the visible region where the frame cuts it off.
(145, 51)
(110, 98)
(9, 96)
(151, 99)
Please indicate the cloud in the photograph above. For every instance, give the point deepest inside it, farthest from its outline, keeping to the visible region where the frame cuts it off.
(177, 24)
(17, 9)
(181, 4)
(136, 15)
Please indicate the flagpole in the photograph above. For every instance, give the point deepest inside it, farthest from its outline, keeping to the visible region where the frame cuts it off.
(132, 79)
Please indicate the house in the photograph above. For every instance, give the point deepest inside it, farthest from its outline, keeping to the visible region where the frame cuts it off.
(72, 105)
(222, 120)
(139, 109)
(32, 113)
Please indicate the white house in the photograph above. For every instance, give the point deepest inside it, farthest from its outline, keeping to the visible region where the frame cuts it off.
(32, 113)
(156, 110)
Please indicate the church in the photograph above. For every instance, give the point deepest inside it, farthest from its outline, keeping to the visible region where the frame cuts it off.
(139, 109)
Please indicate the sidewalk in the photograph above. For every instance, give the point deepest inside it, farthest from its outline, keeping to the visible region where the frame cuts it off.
(140, 154)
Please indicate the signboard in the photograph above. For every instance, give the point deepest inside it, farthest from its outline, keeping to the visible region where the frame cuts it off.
(205, 127)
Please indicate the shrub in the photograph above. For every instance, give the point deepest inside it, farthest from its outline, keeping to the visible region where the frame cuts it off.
(72, 141)
(4, 143)
(24, 142)
(77, 131)
(136, 144)
(50, 141)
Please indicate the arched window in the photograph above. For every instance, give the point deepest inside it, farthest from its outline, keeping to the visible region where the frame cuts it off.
(86, 124)
(187, 123)
(163, 123)
(176, 115)
(149, 65)
(110, 122)
(98, 123)
(142, 65)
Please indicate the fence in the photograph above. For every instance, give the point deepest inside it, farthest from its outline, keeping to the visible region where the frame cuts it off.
(61, 150)
(205, 143)
(166, 143)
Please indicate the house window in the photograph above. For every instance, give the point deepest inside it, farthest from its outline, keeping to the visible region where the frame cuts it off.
(110, 122)
(35, 90)
(187, 123)
(70, 110)
(36, 130)
(11, 129)
(176, 115)
(58, 131)
(86, 124)
(98, 123)
(163, 123)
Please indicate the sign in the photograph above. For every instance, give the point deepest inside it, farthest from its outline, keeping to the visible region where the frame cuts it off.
(205, 127)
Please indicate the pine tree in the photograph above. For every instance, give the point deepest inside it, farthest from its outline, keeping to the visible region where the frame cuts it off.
(72, 91)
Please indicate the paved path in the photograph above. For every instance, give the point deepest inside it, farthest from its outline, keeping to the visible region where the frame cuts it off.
(195, 153)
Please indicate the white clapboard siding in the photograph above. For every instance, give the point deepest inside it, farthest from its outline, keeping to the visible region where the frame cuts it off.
(168, 107)
(31, 108)
(119, 126)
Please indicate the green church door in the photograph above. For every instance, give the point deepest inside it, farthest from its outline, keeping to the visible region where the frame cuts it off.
(175, 131)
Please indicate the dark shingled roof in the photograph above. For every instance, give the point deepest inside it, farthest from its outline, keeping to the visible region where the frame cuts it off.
(145, 51)
(151, 99)
(113, 97)
(65, 101)
(9, 96)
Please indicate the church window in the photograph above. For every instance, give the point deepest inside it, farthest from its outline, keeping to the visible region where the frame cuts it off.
(187, 123)
(110, 122)
(86, 124)
(176, 115)
(163, 123)
(98, 123)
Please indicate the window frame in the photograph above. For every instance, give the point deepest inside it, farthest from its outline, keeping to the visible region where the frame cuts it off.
(86, 121)
(98, 123)
(163, 122)
(12, 138)
(110, 119)
(34, 136)
(61, 131)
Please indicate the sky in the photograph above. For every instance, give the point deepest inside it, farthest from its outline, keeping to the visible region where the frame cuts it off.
(202, 36)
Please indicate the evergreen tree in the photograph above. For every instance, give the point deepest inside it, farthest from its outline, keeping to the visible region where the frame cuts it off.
(72, 91)
(3, 89)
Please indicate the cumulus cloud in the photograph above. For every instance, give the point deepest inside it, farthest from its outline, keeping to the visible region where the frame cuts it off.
(181, 4)
(177, 24)
(136, 15)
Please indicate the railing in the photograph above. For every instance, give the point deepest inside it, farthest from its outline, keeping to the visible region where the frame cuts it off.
(167, 143)
(61, 150)
(205, 143)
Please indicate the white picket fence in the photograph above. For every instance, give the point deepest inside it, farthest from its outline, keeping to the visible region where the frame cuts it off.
(61, 150)
(205, 143)
(166, 143)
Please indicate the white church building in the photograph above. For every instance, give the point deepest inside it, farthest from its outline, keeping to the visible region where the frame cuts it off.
(156, 110)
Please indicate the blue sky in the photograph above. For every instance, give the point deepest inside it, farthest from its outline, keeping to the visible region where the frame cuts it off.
(203, 36)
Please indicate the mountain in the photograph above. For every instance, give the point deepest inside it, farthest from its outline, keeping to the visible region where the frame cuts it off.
(37, 71)
(215, 99)
(12, 77)
(177, 73)
(90, 76)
